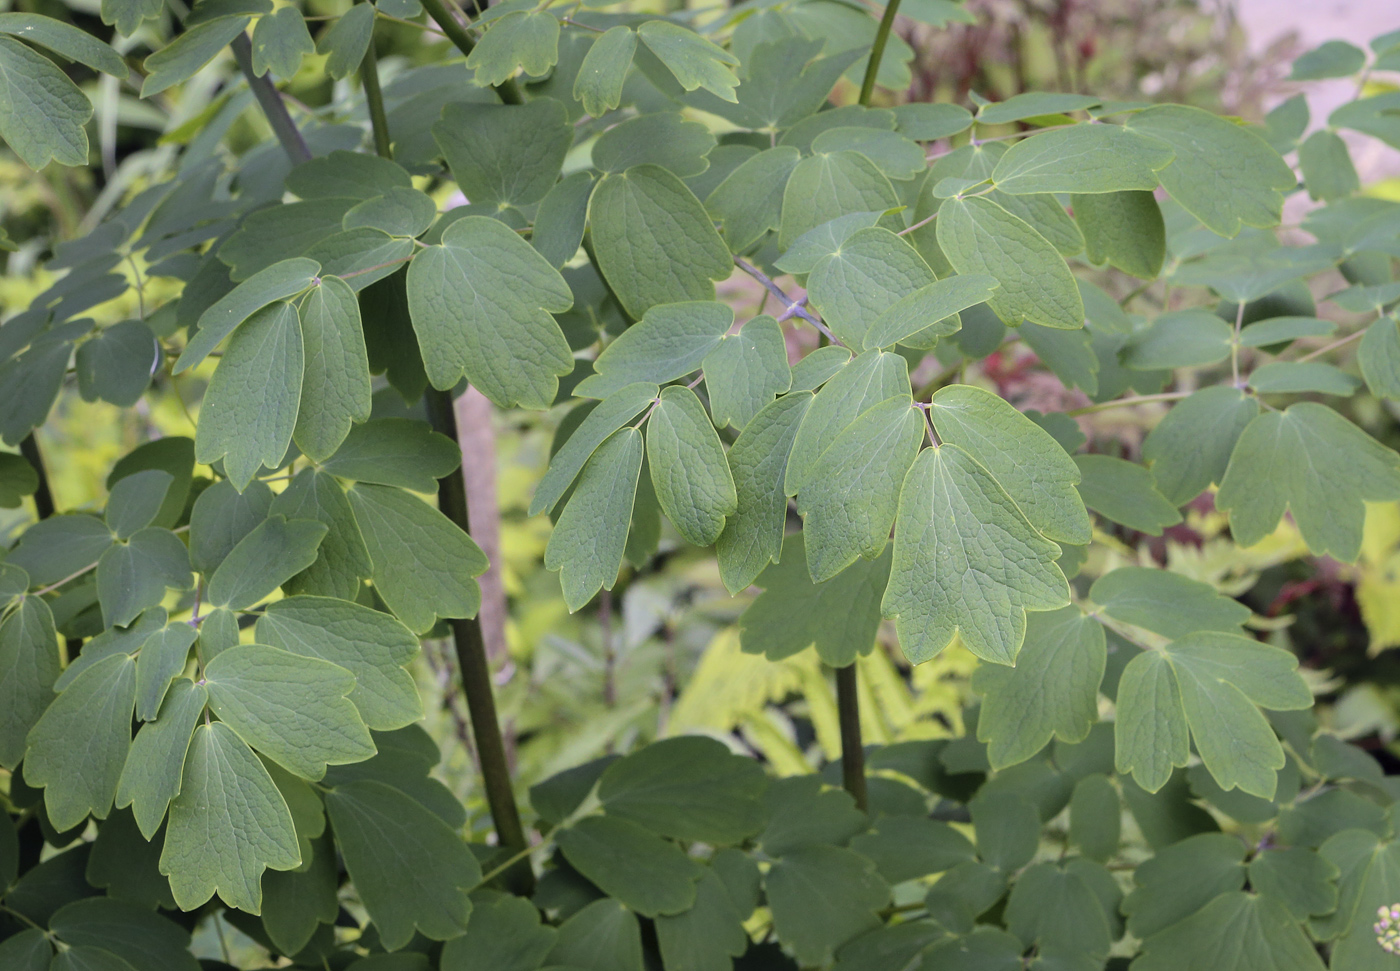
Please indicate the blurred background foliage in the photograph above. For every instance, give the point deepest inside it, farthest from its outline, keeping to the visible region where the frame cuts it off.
(660, 654)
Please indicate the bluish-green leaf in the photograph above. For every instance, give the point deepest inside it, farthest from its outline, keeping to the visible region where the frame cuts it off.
(591, 535)
(42, 113)
(1084, 159)
(154, 769)
(688, 467)
(598, 86)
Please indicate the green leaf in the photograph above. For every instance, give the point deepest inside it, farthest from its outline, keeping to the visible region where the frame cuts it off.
(939, 302)
(1029, 464)
(688, 467)
(162, 659)
(1150, 723)
(292, 708)
(250, 409)
(1166, 603)
(1379, 357)
(18, 479)
(1328, 172)
(1032, 104)
(749, 202)
(1234, 932)
(335, 389)
(824, 240)
(1082, 159)
(671, 341)
(906, 847)
(819, 366)
(980, 237)
(1190, 448)
(849, 499)
(840, 616)
(591, 535)
(1303, 881)
(227, 825)
(347, 175)
(695, 61)
(504, 933)
(746, 372)
(280, 41)
(709, 935)
(347, 41)
(598, 86)
(424, 565)
(1297, 377)
(1052, 690)
(1123, 229)
(824, 187)
(116, 365)
(341, 560)
(1125, 493)
(134, 575)
(88, 958)
(82, 779)
(1370, 876)
(221, 517)
(1055, 909)
(298, 902)
(273, 552)
(185, 56)
(690, 788)
(42, 113)
(135, 500)
(1223, 174)
(518, 40)
(893, 154)
(612, 413)
(400, 452)
(398, 212)
(505, 155)
(1182, 338)
(655, 243)
(1095, 816)
(29, 666)
(927, 122)
(822, 897)
(603, 936)
(559, 222)
(1007, 827)
(1332, 59)
(59, 546)
(648, 874)
(127, 930)
(27, 950)
(1372, 116)
(481, 304)
(154, 769)
(410, 869)
(1288, 460)
(665, 139)
(66, 41)
(369, 644)
(870, 272)
(967, 563)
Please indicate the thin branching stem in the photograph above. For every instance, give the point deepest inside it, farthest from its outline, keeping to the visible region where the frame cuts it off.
(793, 308)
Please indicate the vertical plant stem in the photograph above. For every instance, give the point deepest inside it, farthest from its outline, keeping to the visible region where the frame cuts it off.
(43, 496)
(877, 51)
(476, 673)
(374, 100)
(449, 19)
(852, 749)
(270, 100)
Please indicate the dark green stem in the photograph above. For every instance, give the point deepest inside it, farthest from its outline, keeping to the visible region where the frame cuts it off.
(476, 673)
(374, 100)
(271, 103)
(43, 496)
(852, 750)
(449, 20)
(877, 51)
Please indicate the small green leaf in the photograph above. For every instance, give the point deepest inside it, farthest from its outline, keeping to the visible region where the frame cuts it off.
(647, 873)
(1150, 723)
(709, 935)
(410, 869)
(603, 936)
(746, 372)
(1055, 909)
(273, 552)
(227, 825)
(42, 113)
(1052, 690)
(1303, 881)
(65, 40)
(980, 237)
(1288, 460)
(749, 202)
(424, 564)
(1166, 603)
(1332, 59)
(824, 240)
(671, 341)
(335, 391)
(1328, 172)
(292, 708)
(654, 241)
(1082, 159)
(822, 897)
(695, 61)
(824, 187)
(1190, 447)
(346, 175)
(116, 365)
(665, 139)
(561, 219)
(1379, 357)
(1095, 817)
(505, 154)
(82, 779)
(1123, 229)
(134, 575)
(481, 304)
(347, 40)
(17, 480)
(688, 466)
(250, 409)
(221, 517)
(929, 311)
(528, 40)
(154, 769)
(162, 658)
(400, 452)
(1032, 104)
(185, 56)
(1298, 377)
(504, 933)
(1125, 493)
(341, 560)
(59, 546)
(280, 41)
(612, 413)
(27, 950)
(967, 563)
(1234, 932)
(135, 500)
(132, 932)
(590, 537)
(894, 154)
(598, 86)
(870, 272)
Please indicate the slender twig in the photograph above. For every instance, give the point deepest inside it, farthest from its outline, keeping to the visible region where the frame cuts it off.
(877, 51)
(374, 101)
(43, 495)
(270, 100)
(470, 646)
(1128, 402)
(447, 17)
(1235, 344)
(72, 576)
(574, 23)
(918, 225)
(852, 749)
(377, 266)
(1334, 345)
(995, 138)
(794, 307)
(381, 15)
